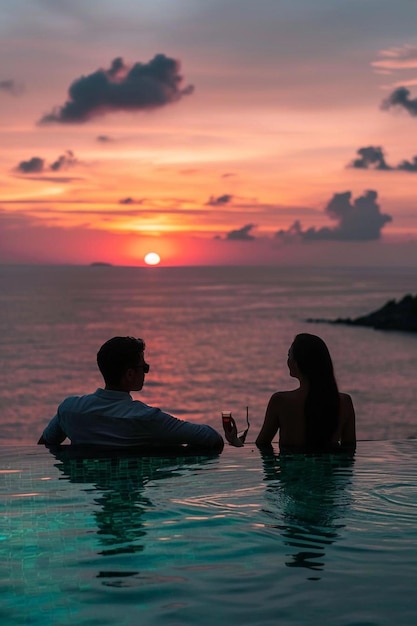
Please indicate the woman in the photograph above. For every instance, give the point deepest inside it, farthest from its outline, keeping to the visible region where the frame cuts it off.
(315, 416)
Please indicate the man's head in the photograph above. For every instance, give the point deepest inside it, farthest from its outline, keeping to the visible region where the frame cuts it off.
(121, 363)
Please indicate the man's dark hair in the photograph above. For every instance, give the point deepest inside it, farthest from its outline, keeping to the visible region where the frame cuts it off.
(117, 355)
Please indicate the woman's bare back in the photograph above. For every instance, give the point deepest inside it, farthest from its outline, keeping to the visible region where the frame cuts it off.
(285, 413)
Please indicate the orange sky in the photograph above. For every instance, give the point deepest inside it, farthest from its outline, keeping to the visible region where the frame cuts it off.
(136, 160)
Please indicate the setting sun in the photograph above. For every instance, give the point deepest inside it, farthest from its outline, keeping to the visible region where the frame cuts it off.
(152, 258)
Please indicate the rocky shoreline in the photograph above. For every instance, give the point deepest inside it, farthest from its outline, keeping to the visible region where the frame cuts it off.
(401, 315)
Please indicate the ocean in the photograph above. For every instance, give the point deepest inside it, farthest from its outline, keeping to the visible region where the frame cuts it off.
(217, 339)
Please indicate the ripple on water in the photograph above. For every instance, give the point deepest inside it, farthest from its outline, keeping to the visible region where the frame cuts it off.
(244, 538)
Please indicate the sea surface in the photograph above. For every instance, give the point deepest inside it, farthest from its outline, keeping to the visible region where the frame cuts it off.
(217, 339)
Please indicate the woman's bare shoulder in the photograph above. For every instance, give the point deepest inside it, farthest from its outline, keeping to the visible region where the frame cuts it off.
(280, 396)
(283, 401)
(345, 399)
(347, 410)
(347, 427)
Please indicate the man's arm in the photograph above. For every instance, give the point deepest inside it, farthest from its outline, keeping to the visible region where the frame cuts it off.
(166, 430)
(53, 433)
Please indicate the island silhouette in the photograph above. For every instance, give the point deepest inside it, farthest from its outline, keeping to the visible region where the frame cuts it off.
(393, 315)
(100, 264)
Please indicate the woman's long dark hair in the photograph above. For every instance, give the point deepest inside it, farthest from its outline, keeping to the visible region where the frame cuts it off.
(322, 403)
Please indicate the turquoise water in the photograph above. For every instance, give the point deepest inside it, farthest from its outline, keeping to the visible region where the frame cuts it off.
(242, 538)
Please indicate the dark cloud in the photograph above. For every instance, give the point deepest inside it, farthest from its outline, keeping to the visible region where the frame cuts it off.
(36, 165)
(242, 234)
(361, 220)
(228, 175)
(142, 86)
(370, 157)
(225, 199)
(294, 232)
(64, 161)
(130, 200)
(56, 179)
(408, 166)
(104, 139)
(400, 98)
(11, 87)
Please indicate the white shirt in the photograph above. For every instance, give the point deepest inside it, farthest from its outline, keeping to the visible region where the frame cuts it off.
(113, 418)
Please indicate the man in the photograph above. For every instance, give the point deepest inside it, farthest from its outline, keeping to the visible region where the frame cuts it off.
(110, 416)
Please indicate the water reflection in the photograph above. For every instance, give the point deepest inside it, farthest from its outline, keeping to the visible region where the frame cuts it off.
(307, 497)
(120, 504)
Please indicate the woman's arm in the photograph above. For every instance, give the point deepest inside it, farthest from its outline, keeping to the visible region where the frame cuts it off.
(348, 420)
(271, 422)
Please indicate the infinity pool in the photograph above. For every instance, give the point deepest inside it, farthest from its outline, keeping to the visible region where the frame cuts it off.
(242, 538)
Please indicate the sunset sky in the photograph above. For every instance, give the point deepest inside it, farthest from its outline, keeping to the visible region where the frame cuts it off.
(210, 132)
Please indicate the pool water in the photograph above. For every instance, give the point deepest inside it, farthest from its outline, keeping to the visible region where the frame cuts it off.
(241, 538)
